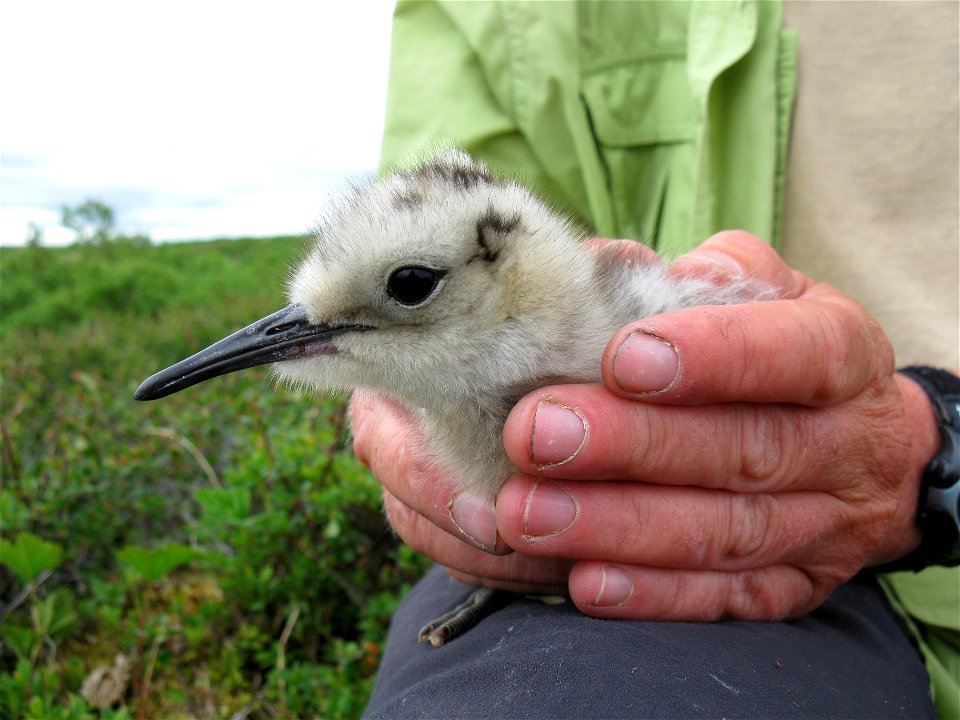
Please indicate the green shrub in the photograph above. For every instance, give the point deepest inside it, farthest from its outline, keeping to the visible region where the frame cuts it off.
(192, 529)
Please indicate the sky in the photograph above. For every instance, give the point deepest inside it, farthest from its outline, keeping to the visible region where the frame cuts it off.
(192, 120)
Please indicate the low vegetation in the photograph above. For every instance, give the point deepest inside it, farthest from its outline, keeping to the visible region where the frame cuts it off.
(219, 553)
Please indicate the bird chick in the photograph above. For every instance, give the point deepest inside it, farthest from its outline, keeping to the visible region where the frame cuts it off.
(456, 293)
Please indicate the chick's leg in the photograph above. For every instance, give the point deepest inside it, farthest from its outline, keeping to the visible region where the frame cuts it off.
(481, 602)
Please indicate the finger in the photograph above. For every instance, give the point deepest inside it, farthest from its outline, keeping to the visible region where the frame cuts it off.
(623, 252)
(583, 432)
(734, 255)
(520, 588)
(640, 593)
(818, 350)
(674, 527)
(514, 570)
(388, 441)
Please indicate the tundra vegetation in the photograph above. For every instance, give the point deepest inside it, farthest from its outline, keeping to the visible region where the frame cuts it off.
(219, 553)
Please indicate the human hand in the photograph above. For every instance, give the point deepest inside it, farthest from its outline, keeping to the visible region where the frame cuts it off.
(778, 461)
(432, 514)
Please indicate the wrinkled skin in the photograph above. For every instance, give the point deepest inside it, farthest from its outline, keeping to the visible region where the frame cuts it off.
(742, 465)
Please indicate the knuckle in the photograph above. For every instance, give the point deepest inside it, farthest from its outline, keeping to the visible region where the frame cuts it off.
(405, 523)
(761, 599)
(361, 440)
(881, 349)
(648, 438)
(854, 352)
(765, 451)
(834, 338)
(761, 595)
(748, 527)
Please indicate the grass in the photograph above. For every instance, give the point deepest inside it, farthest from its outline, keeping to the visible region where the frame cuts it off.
(223, 540)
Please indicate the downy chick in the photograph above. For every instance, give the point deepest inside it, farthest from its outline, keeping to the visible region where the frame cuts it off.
(456, 293)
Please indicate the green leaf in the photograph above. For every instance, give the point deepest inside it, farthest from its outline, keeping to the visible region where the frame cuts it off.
(156, 563)
(29, 556)
(54, 614)
(21, 640)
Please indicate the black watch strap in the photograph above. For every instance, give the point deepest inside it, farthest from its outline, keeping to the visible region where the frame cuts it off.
(938, 511)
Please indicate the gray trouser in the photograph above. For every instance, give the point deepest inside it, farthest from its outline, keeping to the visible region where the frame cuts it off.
(852, 658)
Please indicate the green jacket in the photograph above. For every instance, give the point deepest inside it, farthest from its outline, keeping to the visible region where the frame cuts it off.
(655, 121)
(658, 121)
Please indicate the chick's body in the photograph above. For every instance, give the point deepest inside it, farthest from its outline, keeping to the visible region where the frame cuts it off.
(456, 293)
(521, 302)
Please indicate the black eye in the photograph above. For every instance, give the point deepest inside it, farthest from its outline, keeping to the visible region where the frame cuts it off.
(412, 285)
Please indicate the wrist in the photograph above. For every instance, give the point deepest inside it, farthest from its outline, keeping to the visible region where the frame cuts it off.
(931, 408)
(924, 431)
(924, 441)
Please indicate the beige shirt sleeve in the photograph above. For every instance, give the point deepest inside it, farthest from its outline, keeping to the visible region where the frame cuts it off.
(871, 203)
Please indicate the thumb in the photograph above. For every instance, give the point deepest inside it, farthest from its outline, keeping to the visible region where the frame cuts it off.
(734, 254)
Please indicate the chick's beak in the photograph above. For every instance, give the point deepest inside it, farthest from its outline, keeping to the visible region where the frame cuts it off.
(285, 335)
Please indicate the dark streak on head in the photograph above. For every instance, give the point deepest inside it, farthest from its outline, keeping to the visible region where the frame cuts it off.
(467, 177)
(463, 176)
(406, 199)
(492, 221)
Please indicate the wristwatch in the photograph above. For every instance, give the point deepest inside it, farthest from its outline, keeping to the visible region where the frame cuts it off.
(938, 511)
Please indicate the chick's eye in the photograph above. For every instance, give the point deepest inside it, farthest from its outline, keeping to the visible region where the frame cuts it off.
(412, 285)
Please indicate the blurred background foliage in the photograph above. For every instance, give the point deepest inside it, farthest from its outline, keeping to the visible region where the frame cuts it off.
(219, 553)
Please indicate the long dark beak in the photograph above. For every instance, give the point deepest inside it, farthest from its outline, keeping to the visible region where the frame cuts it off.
(284, 335)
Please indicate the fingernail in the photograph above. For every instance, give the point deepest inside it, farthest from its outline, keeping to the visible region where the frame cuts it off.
(615, 587)
(549, 510)
(558, 434)
(476, 518)
(645, 363)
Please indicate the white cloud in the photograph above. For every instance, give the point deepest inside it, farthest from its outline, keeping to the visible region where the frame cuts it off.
(196, 118)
